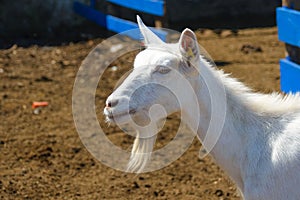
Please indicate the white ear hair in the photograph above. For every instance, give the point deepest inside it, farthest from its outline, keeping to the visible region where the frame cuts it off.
(149, 36)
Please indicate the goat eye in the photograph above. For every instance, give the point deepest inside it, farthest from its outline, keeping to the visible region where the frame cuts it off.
(162, 69)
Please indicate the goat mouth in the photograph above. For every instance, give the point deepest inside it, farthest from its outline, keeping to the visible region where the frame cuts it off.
(116, 117)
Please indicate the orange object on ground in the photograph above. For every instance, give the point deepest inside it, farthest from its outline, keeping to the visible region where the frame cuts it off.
(36, 104)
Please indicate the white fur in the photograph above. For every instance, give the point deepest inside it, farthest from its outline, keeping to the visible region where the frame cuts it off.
(259, 146)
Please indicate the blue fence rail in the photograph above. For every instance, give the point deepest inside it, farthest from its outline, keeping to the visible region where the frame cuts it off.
(288, 22)
(154, 7)
(118, 25)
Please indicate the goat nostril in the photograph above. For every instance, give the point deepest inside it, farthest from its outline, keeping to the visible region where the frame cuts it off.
(112, 103)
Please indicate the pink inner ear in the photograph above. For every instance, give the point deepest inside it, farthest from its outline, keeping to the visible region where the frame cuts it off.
(187, 41)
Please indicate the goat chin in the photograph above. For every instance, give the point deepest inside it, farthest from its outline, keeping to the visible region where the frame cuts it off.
(141, 153)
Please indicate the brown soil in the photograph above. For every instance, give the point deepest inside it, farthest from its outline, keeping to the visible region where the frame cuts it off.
(42, 156)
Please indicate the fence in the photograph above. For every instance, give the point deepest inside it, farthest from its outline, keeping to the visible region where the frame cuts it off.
(288, 22)
(119, 25)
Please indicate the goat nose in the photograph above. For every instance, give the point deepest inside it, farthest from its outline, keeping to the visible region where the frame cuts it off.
(111, 103)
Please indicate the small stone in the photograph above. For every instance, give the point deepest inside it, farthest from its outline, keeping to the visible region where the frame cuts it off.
(1, 70)
(114, 68)
(116, 48)
(37, 111)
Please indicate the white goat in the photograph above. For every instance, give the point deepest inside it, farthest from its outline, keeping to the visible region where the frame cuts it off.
(259, 146)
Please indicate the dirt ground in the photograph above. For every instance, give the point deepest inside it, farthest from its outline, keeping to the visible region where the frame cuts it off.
(42, 156)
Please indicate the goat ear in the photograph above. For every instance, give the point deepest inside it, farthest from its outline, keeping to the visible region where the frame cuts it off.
(149, 36)
(188, 46)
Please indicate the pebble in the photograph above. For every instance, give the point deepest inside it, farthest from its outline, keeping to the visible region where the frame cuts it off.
(1, 70)
(37, 111)
(114, 68)
(116, 48)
